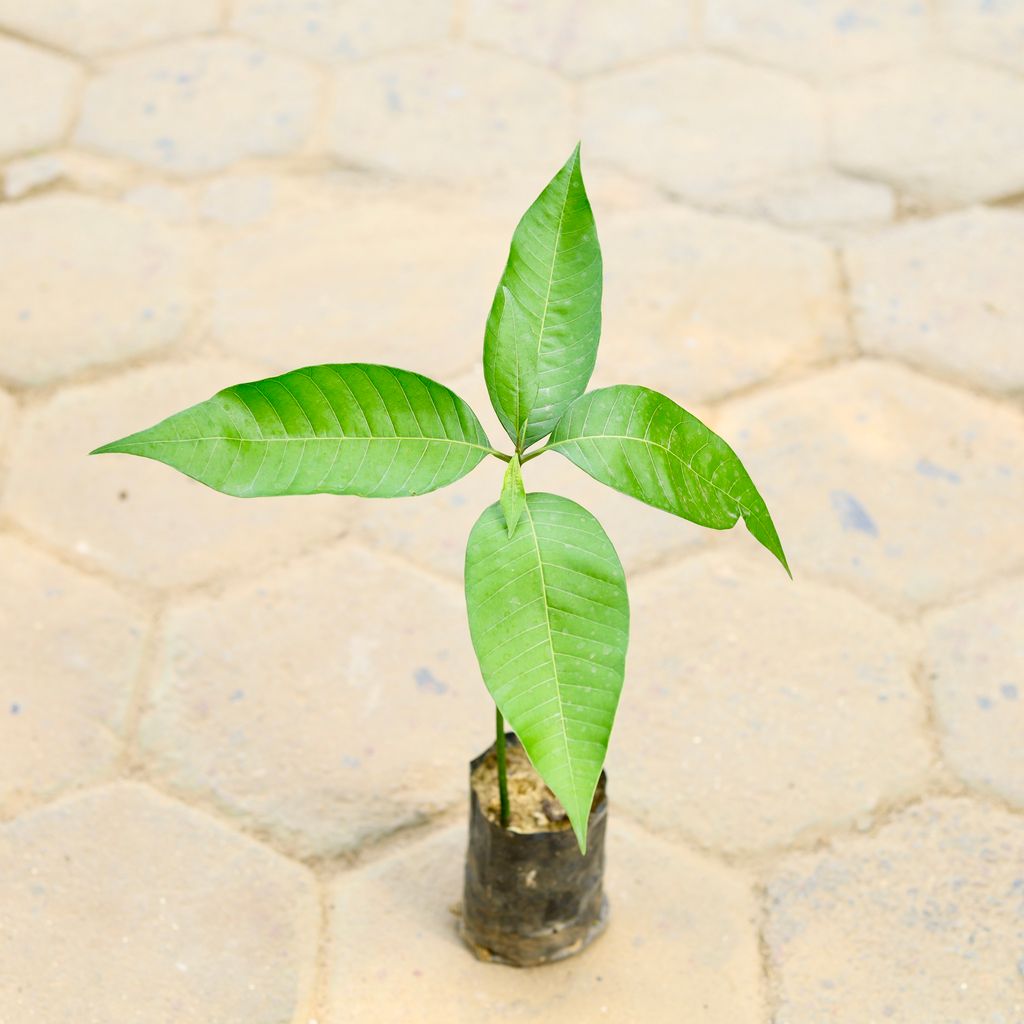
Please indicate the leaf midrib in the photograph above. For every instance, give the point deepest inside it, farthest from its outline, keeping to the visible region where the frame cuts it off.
(551, 271)
(554, 663)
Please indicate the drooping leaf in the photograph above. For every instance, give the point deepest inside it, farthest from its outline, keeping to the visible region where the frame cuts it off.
(554, 272)
(347, 428)
(549, 618)
(513, 494)
(643, 444)
(512, 367)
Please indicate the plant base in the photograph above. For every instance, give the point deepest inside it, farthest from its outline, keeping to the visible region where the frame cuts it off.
(530, 898)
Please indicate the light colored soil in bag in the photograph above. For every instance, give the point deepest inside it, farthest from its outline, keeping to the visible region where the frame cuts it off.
(532, 806)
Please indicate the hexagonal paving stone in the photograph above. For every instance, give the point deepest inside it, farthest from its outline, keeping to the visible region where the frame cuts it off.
(556, 35)
(72, 649)
(194, 107)
(122, 276)
(945, 294)
(698, 306)
(101, 26)
(990, 29)
(975, 659)
(404, 278)
(432, 530)
(330, 702)
(36, 117)
(943, 130)
(757, 709)
(898, 486)
(452, 114)
(823, 39)
(121, 899)
(682, 934)
(919, 922)
(825, 202)
(342, 31)
(656, 122)
(135, 517)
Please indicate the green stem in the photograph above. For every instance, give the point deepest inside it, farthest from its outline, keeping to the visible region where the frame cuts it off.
(540, 451)
(500, 455)
(502, 767)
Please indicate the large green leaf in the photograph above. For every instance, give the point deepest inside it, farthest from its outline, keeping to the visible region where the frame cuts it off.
(349, 428)
(549, 618)
(554, 273)
(643, 444)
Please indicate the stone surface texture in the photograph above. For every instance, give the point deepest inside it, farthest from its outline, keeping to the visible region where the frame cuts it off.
(234, 734)
(39, 115)
(655, 121)
(432, 114)
(123, 905)
(943, 131)
(822, 39)
(976, 672)
(918, 921)
(553, 34)
(195, 107)
(945, 295)
(87, 282)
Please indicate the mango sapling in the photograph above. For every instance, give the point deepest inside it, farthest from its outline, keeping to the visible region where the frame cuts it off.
(545, 591)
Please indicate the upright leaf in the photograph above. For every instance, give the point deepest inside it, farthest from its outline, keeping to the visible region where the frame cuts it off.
(643, 444)
(349, 428)
(512, 367)
(554, 273)
(549, 618)
(513, 494)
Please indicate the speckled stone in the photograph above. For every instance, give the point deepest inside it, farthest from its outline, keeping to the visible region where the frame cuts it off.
(341, 32)
(328, 703)
(699, 306)
(827, 38)
(72, 652)
(992, 30)
(918, 922)
(897, 486)
(31, 118)
(451, 114)
(93, 27)
(945, 295)
(682, 934)
(655, 121)
(134, 517)
(758, 710)
(554, 33)
(419, 301)
(123, 905)
(976, 669)
(122, 278)
(198, 106)
(943, 130)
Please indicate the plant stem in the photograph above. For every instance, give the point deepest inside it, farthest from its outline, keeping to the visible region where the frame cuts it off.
(502, 767)
(501, 455)
(533, 455)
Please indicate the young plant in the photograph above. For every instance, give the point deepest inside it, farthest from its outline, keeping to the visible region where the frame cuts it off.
(545, 591)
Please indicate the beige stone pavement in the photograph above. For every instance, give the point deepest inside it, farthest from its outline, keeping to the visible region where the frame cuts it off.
(233, 735)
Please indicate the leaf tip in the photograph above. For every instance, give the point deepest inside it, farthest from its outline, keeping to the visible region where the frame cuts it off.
(112, 447)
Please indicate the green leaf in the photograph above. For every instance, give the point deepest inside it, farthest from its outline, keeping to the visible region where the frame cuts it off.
(549, 618)
(554, 273)
(643, 444)
(348, 428)
(513, 494)
(512, 367)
